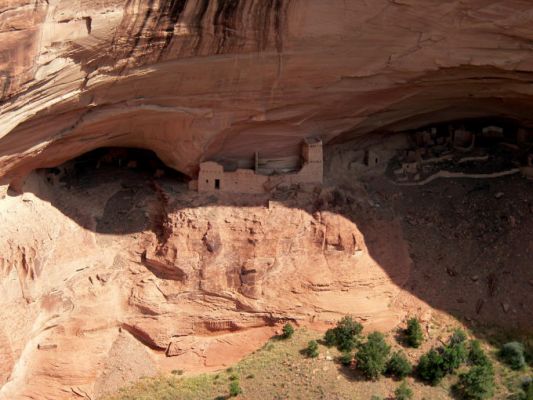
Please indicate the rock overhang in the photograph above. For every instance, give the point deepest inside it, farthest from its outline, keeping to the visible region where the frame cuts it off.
(169, 78)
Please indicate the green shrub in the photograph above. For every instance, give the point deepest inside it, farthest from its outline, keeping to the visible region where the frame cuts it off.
(527, 390)
(414, 335)
(458, 336)
(476, 355)
(403, 392)
(288, 331)
(435, 364)
(453, 356)
(345, 335)
(374, 397)
(399, 366)
(346, 359)
(234, 389)
(312, 349)
(476, 384)
(330, 337)
(372, 356)
(512, 354)
(527, 386)
(431, 367)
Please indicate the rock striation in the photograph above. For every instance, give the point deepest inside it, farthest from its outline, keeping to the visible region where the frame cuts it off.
(197, 79)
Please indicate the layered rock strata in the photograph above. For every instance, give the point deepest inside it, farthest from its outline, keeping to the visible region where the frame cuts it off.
(202, 79)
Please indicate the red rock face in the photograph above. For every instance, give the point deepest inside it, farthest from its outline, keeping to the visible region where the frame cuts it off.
(192, 79)
(94, 295)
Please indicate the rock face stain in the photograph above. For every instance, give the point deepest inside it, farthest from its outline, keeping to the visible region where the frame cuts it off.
(218, 77)
(183, 24)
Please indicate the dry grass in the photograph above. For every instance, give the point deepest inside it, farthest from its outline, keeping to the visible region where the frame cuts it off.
(279, 370)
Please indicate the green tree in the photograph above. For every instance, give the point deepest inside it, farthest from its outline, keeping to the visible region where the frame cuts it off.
(399, 366)
(345, 335)
(234, 388)
(403, 392)
(476, 384)
(431, 367)
(312, 349)
(413, 334)
(512, 354)
(476, 355)
(372, 356)
(453, 356)
(288, 331)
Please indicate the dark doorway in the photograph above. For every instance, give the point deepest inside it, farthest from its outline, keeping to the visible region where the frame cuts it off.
(112, 163)
(217, 184)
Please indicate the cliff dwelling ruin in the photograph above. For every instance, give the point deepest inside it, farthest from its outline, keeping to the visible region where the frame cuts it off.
(266, 175)
(465, 149)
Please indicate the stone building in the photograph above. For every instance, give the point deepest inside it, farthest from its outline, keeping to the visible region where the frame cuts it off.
(266, 175)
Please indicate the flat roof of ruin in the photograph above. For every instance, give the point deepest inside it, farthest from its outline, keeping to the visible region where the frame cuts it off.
(312, 141)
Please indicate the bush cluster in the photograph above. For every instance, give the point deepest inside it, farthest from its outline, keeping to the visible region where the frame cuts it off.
(345, 335)
(373, 359)
(435, 364)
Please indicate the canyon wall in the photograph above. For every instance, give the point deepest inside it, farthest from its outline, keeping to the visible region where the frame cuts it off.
(197, 79)
(106, 282)
(90, 299)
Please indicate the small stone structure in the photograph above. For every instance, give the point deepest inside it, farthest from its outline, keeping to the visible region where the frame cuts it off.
(493, 132)
(420, 164)
(371, 158)
(463, 138)
(264, 177)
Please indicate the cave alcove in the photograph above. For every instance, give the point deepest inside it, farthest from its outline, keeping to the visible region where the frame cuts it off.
(137, 177)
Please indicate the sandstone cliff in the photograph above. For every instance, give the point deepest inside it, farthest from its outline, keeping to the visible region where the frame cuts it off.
(191, 79)
(108, 281)
(115, 292)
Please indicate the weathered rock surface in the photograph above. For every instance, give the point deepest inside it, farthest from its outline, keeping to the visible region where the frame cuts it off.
(194, 79)
(81, 305)
(90, 289)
